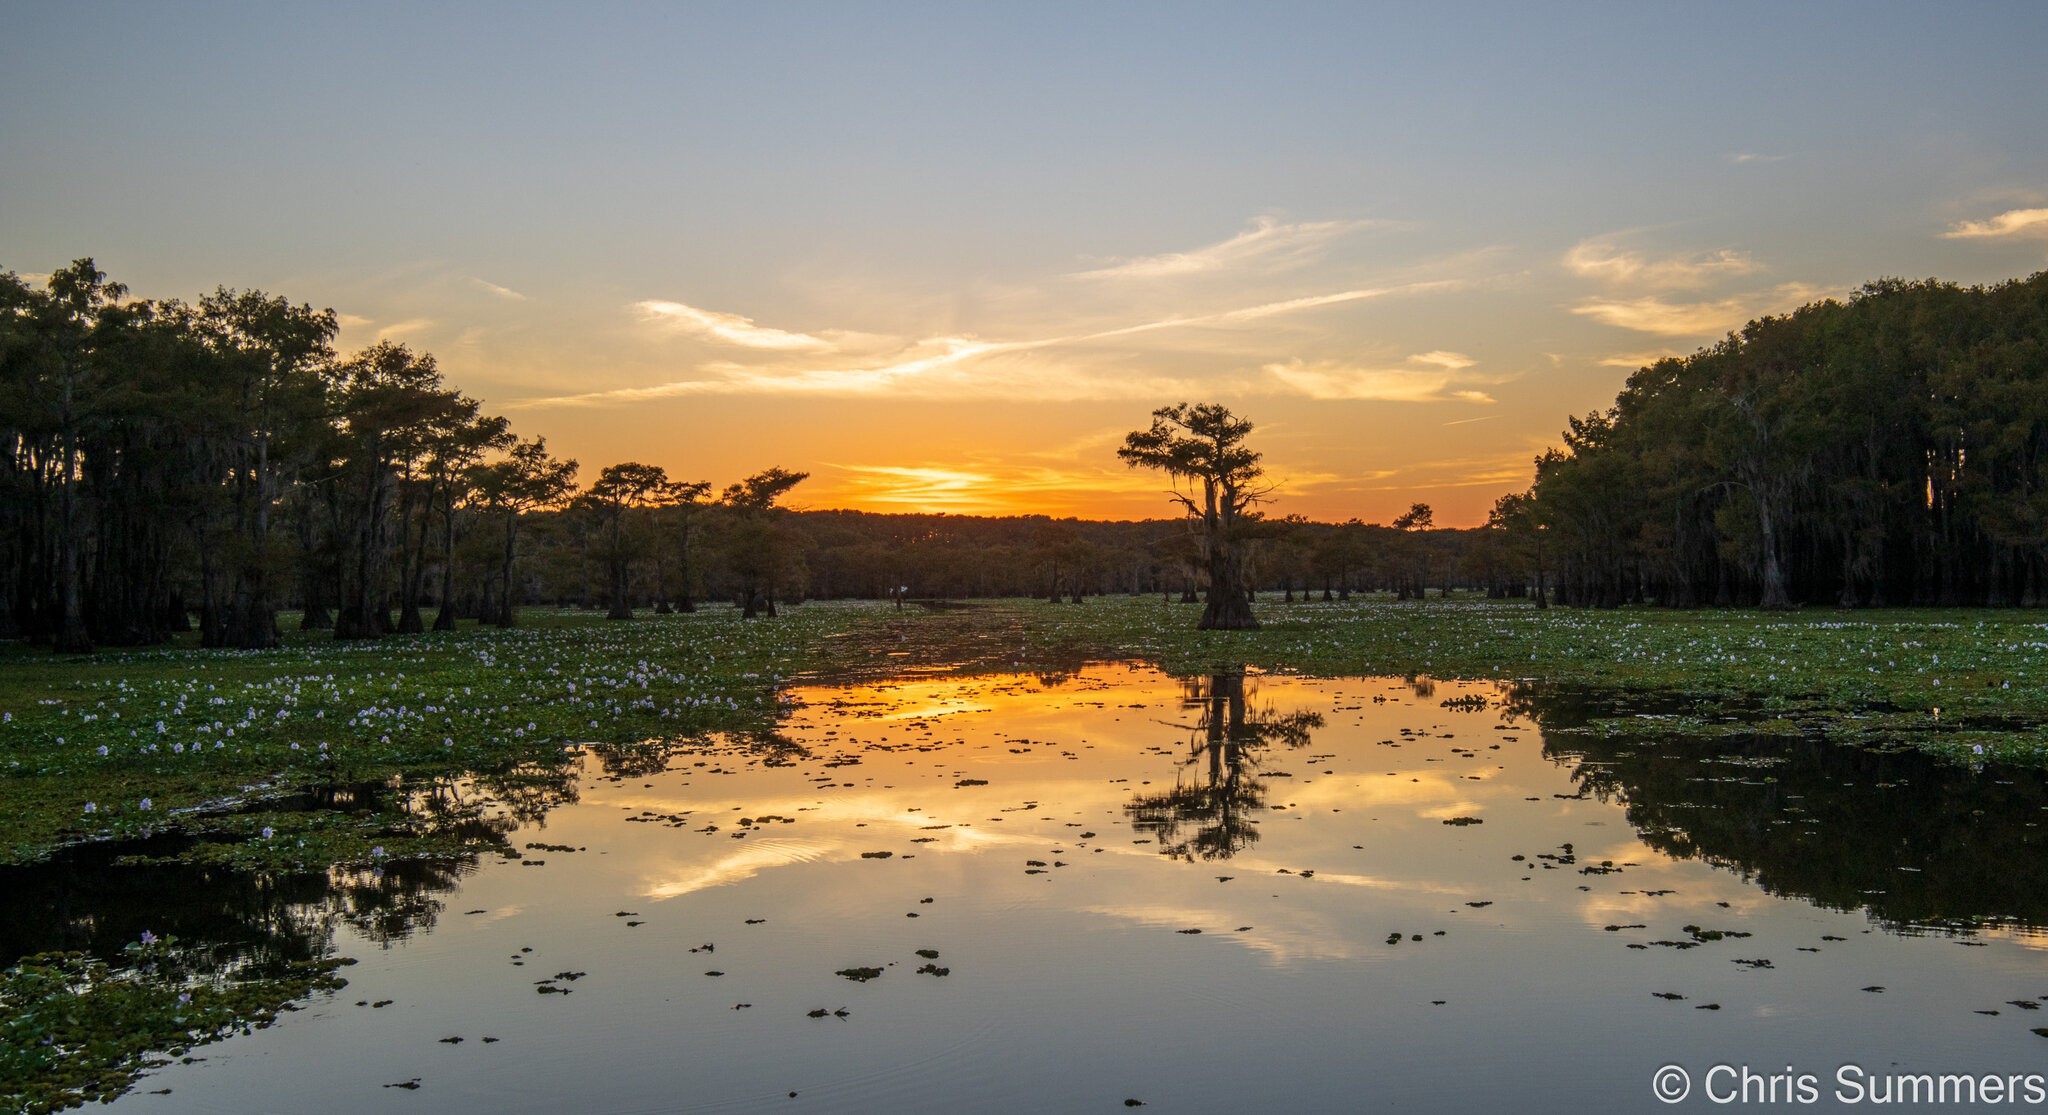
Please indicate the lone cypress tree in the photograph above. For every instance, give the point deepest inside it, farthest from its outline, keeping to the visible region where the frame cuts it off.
(1201, 448)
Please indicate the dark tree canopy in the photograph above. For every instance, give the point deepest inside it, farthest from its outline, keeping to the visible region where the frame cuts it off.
(1890, 449)
(527, 479)
(763, 552)
(618, 491)
(1200, 447)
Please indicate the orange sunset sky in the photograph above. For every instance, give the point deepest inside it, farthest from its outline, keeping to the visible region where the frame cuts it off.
(944, 257)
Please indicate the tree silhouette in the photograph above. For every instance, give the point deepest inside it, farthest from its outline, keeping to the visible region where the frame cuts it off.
(619, 490)
(680, 501)
(528, 478)
(1202, 445)
(761, 551)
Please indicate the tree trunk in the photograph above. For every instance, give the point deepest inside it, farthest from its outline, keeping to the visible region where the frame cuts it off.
(1774, 597)
(1228, 607)
(72, 637)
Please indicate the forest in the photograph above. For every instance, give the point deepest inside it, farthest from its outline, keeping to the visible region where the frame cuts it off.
(166, 465)
(1891, 449)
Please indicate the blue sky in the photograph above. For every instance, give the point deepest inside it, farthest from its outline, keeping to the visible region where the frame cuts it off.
(943, 256)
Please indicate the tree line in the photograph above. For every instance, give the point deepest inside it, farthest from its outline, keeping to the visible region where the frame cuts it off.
(1891, 449)
(162, 459)
(933, 558)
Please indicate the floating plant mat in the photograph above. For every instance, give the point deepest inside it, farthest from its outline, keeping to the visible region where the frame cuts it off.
(1222, 893)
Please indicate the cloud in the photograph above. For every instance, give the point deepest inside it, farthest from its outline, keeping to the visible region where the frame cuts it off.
(401, 328)
(1255, 313)
(1666, 319)
(353, 321)
(936, 370)
(1449, 361)
(507, 293)
(937, 367)
(1695, 319)
(1511, 468)
(1634, 360)
(1741, 158)
(730, 328)
(1267, 244)
(1428, 377)
(1601, 260)
(2013, 223)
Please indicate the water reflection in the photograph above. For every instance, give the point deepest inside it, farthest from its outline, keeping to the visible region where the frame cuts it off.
(1436, 908)
(1915, 841)
(1210, 812)
(234, 921)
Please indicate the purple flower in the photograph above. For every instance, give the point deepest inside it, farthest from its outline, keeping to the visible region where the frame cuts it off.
(92, 807)
(148, 938)
(145, 804)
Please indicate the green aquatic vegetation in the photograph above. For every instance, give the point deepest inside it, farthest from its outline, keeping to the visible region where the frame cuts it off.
(1904, 675)
(74, 1029)
(194, 741)
(171, 740)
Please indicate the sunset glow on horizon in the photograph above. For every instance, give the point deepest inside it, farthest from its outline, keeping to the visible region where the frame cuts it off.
(944, 259)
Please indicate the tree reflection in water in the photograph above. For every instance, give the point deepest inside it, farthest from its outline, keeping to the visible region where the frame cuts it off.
(1915, 841)
(1211, 815)
(236, 922)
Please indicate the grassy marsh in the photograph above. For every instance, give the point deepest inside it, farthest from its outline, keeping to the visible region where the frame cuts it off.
(182, 739)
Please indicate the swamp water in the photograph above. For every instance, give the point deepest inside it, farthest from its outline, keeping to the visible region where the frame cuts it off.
(1223, 894)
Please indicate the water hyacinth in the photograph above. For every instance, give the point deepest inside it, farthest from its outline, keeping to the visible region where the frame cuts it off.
(687, 675)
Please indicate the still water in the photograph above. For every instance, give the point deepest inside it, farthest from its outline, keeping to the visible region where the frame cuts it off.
(1063, 893)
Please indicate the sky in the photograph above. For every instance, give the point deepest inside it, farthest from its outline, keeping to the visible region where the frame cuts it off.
(943, 257)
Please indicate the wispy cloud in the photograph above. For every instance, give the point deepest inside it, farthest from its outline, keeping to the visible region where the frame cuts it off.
(1511, 468)
(1741, 158)
(402, 328)
(1261, 311)
(1267, 244)
(729, 328)
(2013, 223)
(507, 293)
(1666, 319)
(937, 367)
(1634, 360)
(1697, 319)
(1602, 260)
(1427, 377)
